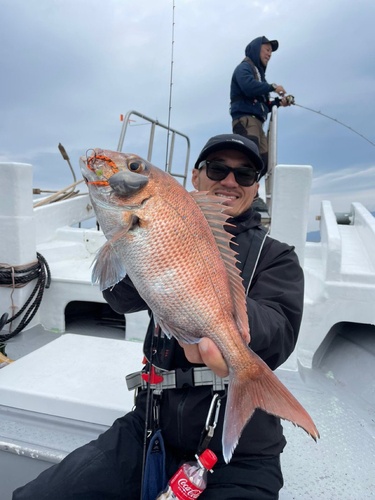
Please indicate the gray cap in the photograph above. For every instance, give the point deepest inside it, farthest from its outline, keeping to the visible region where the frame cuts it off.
(232, 141)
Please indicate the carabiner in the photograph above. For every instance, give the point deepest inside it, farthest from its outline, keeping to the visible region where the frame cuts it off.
(216, 399)
(208, 432)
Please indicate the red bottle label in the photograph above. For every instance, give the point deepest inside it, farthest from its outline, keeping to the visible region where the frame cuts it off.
(183, 488)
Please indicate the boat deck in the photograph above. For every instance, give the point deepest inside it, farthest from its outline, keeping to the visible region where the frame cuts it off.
(339, 466)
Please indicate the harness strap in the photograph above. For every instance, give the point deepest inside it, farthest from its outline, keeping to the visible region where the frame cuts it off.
(243, 97)
(179, 378)
(255, 69)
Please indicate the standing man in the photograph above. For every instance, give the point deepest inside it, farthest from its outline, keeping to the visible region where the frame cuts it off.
(110, 468)
(249, 96)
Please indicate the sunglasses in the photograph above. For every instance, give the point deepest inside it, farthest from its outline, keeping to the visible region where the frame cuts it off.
(216, 171)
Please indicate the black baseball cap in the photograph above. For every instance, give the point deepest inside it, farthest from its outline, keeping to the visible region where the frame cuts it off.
(232, 141)
(274, 43)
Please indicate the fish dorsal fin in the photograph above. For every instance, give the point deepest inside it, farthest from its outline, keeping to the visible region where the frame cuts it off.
(212, 208)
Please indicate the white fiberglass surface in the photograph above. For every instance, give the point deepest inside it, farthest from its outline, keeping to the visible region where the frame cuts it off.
(75, 376)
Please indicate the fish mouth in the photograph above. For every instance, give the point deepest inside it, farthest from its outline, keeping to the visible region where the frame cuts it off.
(122, 178)
(83, 167)
(126, 183)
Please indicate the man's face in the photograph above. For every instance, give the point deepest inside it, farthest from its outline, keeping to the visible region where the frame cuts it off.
(265, 53)
(239, 197)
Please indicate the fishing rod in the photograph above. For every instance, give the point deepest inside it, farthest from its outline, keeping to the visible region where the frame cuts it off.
(170, 91)
(291, 100)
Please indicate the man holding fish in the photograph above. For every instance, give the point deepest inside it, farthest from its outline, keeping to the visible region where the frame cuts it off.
(215, 284)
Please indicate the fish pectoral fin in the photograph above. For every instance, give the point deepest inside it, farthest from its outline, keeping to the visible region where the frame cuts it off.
(158, 323)
(108, 268)
(177, 333)
(259, 389)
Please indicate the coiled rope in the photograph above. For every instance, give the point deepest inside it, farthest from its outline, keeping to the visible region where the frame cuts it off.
(18, 277)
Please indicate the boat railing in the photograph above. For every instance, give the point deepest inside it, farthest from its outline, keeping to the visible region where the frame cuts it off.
(173, 132)
(272, 157)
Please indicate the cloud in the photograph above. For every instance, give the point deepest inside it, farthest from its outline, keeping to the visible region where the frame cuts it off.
(344, 180)
(70, 68)
(341, 189)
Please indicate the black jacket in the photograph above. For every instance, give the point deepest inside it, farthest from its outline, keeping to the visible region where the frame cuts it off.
(274, 304)
(249, 90)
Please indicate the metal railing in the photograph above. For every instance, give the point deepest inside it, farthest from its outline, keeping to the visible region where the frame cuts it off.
(272, 157)
(154, 124)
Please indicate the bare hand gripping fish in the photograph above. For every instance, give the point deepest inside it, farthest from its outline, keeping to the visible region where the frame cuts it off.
(174, 248)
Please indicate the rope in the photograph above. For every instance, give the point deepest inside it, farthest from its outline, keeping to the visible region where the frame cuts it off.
(63, 194)
(26, 273)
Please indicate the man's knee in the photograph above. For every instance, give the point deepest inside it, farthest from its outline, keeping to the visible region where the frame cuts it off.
(240, 129)
(85, 472)
(109, 467)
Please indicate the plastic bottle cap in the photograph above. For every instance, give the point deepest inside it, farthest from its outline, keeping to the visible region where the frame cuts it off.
(208, 459)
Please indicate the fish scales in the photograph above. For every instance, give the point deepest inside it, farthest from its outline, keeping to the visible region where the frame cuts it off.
(192, 280)
(158, 234)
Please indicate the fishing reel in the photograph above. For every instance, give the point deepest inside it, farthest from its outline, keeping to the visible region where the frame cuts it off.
(290, 100)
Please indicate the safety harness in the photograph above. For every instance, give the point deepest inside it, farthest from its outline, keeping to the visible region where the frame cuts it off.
(176, 379)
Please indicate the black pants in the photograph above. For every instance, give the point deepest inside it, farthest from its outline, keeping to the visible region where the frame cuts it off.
(109, 468)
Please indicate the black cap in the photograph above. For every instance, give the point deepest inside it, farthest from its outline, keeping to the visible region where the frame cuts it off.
(274, 43)
(232, 141)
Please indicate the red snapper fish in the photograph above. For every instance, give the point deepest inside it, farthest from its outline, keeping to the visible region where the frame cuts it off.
(174, 248)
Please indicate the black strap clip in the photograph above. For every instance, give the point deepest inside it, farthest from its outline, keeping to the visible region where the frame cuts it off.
(184, 378)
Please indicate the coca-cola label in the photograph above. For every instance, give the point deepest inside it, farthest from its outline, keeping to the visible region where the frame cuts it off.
(183, 488)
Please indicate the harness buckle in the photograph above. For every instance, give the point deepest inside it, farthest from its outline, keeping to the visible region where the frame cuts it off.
(184, 377)
(155, 378)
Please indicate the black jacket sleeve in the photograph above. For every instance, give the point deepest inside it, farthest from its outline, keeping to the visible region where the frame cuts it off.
(124, 298)
(275, 303)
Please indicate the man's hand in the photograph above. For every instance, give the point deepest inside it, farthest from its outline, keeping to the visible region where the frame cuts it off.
(280, 90)
(207, 353)
(286, 102)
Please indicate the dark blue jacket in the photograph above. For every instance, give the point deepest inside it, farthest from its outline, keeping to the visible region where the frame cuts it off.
(248, 95)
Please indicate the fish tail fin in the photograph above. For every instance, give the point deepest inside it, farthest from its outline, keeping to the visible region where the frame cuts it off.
(259, 388)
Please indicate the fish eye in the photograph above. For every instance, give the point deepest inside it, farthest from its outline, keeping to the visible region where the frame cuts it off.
(136, 166)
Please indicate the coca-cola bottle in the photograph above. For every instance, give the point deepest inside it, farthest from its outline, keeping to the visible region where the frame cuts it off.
(191, 478)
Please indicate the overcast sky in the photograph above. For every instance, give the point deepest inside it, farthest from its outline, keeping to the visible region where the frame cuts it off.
(70, 68)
